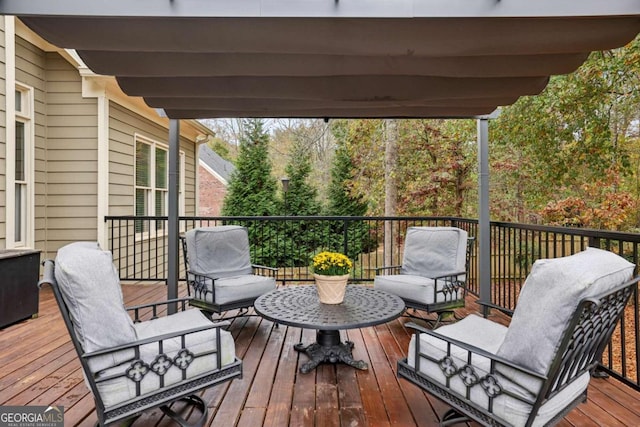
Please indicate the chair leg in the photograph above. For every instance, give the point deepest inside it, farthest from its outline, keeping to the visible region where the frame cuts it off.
(599, 373)
(447, 316)
(452, 417)
(194, 401)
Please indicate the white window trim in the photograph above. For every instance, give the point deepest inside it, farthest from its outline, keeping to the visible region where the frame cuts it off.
(28, 238)
(182, 198)
(153, 233)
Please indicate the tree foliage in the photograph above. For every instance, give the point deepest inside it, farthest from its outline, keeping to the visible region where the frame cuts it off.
(435, 167)
(252, 188)
(300, 238)
(602, 206)
(548, 149)
(344, 202)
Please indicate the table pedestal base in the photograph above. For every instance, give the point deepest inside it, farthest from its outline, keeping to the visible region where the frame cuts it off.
(328, 349)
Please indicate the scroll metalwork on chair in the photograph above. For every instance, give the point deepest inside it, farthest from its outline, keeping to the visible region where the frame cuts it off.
(433, 273)
(537, 370)
(129, 365)
(220, 274)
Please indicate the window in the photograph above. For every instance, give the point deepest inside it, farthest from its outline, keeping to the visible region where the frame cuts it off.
(152, 183)
(22, 176)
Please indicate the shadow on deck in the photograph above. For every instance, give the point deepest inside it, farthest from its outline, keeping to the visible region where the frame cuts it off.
(40, 367)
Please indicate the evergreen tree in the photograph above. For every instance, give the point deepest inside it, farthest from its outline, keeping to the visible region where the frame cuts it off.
(252, 188)
(301, 197)
(252, 191)
(343, 203)
(301, 237)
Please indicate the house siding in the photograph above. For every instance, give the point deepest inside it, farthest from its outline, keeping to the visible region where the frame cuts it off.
(31, 71)
(144, 250)
(65, 126)
(69, 206)
(123, 125)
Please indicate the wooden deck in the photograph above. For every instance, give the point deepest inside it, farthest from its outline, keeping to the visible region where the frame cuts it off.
(40, 367)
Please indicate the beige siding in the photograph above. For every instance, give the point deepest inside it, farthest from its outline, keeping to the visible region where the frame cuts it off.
(3, 145)
(66, 152)
(31, 71)
(123, 125)
(72, 152)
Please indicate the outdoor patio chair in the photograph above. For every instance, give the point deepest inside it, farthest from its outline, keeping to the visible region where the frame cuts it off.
(537, 370)
(433, 273)
(220, 275)
(133, 367)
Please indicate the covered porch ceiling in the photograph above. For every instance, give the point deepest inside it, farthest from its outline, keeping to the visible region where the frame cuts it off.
(331, 58)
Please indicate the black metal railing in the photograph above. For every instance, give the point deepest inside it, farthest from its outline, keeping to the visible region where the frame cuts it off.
(515, 247)
(289, 243)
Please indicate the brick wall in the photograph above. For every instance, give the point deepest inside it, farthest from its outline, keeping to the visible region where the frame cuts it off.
(211, 194)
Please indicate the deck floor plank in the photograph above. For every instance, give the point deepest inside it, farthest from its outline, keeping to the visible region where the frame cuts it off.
(372, 402)
(303, 406)
(394, 402)
(260, 392)
(280, 402)
(327, 407)
(351, 407)
(230, 410)
(31, 374)
(40, 367)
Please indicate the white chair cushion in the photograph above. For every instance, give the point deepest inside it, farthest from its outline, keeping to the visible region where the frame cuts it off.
(238, 288)
(488, 336)
(122, 389)
(549, 298)
(219, 251)
(434, 251)
(90, 286)
(410, 287)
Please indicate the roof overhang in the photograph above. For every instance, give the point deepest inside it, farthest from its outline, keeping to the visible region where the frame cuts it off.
(326, 58)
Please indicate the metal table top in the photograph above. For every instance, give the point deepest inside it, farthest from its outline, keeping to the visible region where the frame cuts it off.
(298, 305)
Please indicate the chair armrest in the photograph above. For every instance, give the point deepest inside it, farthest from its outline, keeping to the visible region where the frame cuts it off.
(138, 358)
(451, 290)
(476, 350)
(390, 268)
(497, 307)
(154, 307)
(197, 274)
(136, 344)
(454, 274)
(270, 271)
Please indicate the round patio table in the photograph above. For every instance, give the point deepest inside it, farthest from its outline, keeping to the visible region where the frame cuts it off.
(298, 305)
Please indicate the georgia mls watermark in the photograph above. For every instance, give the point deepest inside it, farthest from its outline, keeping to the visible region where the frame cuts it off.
(31, 416)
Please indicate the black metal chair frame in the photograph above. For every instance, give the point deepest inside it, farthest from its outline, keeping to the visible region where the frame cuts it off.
(198, 288)
(184, 390)
(453, 290)
(581, 347)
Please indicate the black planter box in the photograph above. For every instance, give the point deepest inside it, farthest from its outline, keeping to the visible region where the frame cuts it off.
(19, 274)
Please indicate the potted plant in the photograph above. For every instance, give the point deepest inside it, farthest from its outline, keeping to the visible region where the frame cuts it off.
(331, 271)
